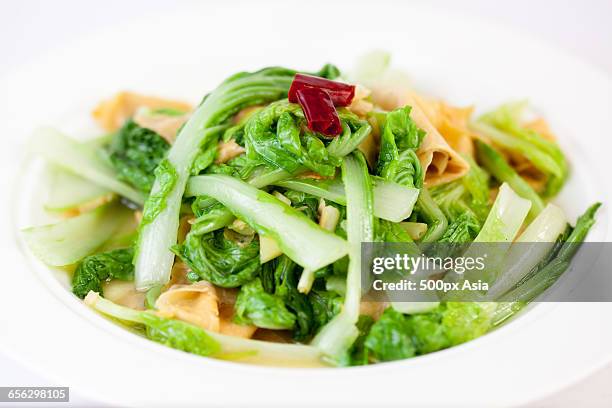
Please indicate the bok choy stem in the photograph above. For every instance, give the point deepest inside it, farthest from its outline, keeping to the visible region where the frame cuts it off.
(530, 248)
(506, 217)
(501, 226)
(158, 232)
(70, 240)
(436, 220)
(338, 335)
(392, 201)
(187, 337)
(81, 159)
(548, 274)
(502, 171)
(299, 238)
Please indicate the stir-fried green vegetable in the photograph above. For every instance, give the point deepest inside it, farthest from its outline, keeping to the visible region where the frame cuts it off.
(135, 153)
(465, 204)
(338, 335)
(531, 247)
(432, 214)
(504, 128)
(68, 241)
(400, 138)
(192, 339)
(299, 238)
(503, 172)
(226, 263)
(278, 136)
(153, 258)
(254, 305)
(392, 201)
(69, 191)
(95, 269)
(312, 311)
(172, 333)
(280, 221)
(81, 159)
(548, 270)
(506, 217)
(158, 233)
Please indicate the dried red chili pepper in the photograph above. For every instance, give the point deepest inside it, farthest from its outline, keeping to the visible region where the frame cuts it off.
(341, 94)
(319, 110)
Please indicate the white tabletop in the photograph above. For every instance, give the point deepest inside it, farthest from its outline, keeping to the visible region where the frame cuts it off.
(31, 27)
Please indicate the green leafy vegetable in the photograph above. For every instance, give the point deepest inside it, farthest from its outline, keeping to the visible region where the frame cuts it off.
(154, 258)
(390, 338)
(354, 131)
(278, 135)
(280, 278)
(469, 194)
(548, 271)
(254, 305)
(399, 140)
(299, 238)
(464, 321)
(186, 337)
(179, 335)
(494, 162)
(166, 177)
(306, 203)
(325, 306)
(95, 269)
(432, 215)
(503, 126)
(465, 203)
(152, 295)
(328, 71)
(211, 216)
(135, 152)
(428, 331)
(358, 354)
(396, 336)
(214, 258)
(393, 201)
(206, 156)
(172, 333)
(464, 228)
(580, 231)
(241, 167)
(329, 189)
(391, 232)
(501, 226)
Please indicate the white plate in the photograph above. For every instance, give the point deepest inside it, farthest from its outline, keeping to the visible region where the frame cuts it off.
(187, 53)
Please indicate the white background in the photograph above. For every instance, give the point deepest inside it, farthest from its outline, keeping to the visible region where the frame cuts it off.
(29, 28)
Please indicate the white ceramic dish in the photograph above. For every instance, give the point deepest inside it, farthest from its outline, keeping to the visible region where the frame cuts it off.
(187, 53)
